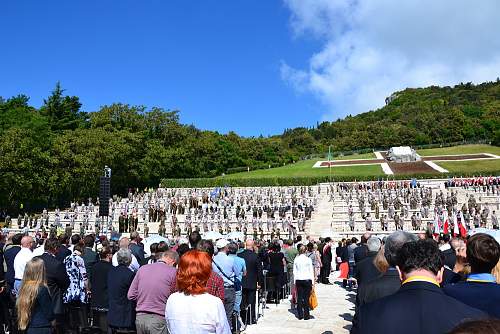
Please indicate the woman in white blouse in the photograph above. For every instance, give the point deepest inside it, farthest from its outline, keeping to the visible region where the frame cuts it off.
(192, 310)
(303, 275)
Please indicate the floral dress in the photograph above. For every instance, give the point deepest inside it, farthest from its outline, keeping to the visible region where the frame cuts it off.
(75, 267)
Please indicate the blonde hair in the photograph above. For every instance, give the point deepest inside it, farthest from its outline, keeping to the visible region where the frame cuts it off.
(496, 272)
(34, 278)
(380, 261)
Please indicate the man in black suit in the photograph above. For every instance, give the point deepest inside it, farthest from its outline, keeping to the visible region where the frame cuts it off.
(121, 313)
(326, 261)
(89, 255)
(420, 306)
(57, 280)
(63, 250)
(365, 270)
(251, 281)
(480, 290)
(362, 250)
(389, 282)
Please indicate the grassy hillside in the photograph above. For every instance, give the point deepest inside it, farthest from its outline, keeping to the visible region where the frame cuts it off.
(463, 149)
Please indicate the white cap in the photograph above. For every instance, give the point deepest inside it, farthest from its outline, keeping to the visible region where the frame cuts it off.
(221, 243)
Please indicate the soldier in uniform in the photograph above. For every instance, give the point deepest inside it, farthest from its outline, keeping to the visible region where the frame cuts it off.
(368, 222)
(397, 222)
(383, 222)
(414, 221)
(162, 230)
(146, 230)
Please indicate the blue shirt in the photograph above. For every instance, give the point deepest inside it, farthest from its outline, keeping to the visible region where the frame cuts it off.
(227, 264)
(240, 265)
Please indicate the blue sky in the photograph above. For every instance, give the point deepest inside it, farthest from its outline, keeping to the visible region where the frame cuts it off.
(218, 61)
(254, 66)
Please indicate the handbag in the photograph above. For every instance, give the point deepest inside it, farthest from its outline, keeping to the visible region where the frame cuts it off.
(313, 301)
(235, 280)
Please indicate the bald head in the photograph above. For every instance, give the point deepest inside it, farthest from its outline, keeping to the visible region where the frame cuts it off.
(124, 242)
(250, 244)
(26, 241)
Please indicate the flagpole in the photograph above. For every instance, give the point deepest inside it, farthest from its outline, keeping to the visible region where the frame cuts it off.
(329, 164)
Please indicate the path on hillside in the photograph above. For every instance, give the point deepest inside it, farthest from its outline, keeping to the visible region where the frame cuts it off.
(332, 316)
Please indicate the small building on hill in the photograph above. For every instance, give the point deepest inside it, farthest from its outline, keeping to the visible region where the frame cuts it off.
(402, 154)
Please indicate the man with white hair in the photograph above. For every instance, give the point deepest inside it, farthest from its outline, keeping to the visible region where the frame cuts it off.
(23, 257)
(365, 270)
(124, 244)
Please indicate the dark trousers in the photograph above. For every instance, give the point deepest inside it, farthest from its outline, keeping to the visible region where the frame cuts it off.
(304, 288)
(229, 297)
(248, 299)
(327, 267)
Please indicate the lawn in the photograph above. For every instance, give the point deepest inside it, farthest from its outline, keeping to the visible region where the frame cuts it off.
(355, 156)
(472, 166)
(305, 169)
(463, 149)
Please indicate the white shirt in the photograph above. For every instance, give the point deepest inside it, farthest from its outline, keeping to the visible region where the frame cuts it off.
(39, 251)
(24, 255)
(199, 314)
(134, 265)
(303, 268)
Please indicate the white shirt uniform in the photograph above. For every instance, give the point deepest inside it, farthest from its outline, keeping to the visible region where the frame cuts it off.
(24, 255)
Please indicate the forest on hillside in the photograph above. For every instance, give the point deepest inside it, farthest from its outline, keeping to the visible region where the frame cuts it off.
(55, 153)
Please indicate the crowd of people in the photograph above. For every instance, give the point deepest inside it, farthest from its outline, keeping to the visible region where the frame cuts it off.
(405, 201)
(410, 283)
(252, 211)
(182, 285)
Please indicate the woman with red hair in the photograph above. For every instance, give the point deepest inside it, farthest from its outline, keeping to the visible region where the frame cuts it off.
(192, 310)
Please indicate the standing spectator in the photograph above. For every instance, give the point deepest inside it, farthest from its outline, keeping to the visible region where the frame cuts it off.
(99, 284)
(240, 266)
(389, 282)
(192, 310)
(215, 283)
(9, 254)
(365, 270)
(23, 257)
(225, 267)
(420, 306)
(63, 250)
(136, 249)
(290, 252)
(151, 288)
(57, 280)
(121, 312)
(352, 263)
(251, 281)
(124, 244)
(78, 287)
(362, 250)
(480, 290)
(89, 255)
(303, 273)
(326, 261)
(34, 305)
(277, 265)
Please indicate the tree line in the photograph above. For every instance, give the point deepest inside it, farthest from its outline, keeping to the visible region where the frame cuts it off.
(53, 154)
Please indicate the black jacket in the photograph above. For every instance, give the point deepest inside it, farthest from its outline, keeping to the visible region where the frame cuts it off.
(365, 271)
(121, 313)
(99, 285)
(417, 308)
(254, 270)
(57, 280)
(360, 253)
(90, 258)
(62, 253)
(382, 286)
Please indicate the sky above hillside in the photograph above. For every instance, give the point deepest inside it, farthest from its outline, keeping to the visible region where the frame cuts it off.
(254, 67)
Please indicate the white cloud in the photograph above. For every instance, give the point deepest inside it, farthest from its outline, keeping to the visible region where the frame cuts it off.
(372, 48)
